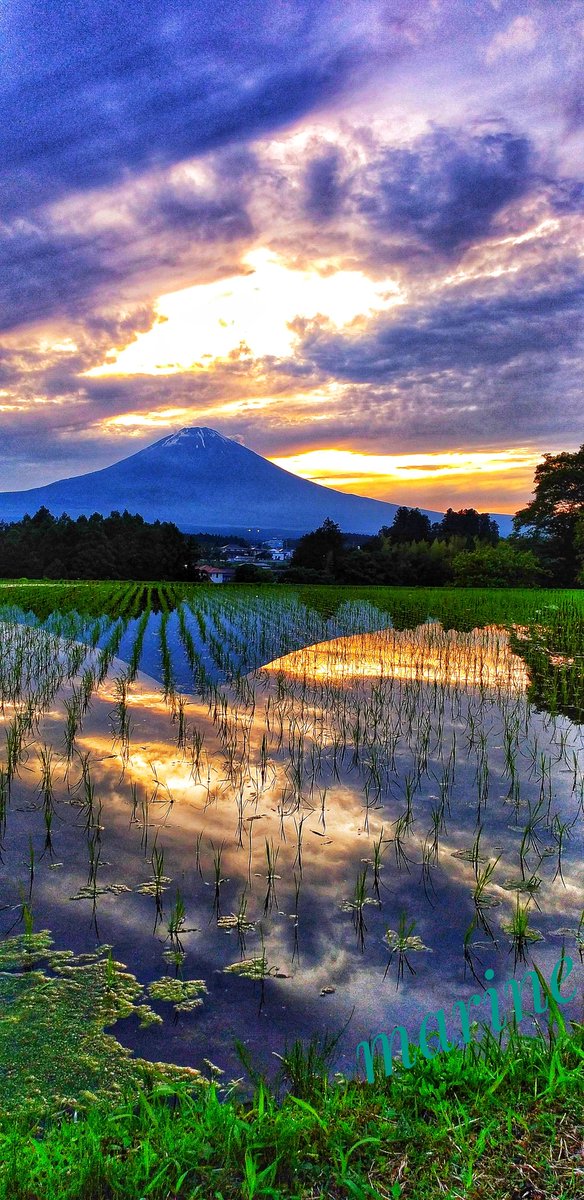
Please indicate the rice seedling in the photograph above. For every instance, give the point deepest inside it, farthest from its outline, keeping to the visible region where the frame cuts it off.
(400, 832)
(15, 748)
(218, 879)
(530, 839)
(197, 738)
(238, 921)
(71, 727)
(159, 880)
(298, 859)
(178, 715)
(560, 833)
(378, 848)
(176, 922)
(402, 942)
(520, 933)
(46, 785)
(428, 863)
(144, 821)
(135, 657)
(120, 722)
(472, 853)
(295, 918)
(357, 904)
(272, 853)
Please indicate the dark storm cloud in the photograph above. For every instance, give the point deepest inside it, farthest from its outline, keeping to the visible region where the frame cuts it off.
(452, 336)
(446, 189)
(574, 105)
(221, 219)
(44, 270)
(567, 196)
(48, 268)
(93, 93)
(324, 189)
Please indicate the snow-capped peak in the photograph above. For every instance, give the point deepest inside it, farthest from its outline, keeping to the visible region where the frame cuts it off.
(200, 435)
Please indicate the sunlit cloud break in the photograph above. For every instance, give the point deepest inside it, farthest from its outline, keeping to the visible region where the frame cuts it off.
(198, 326)
(350, 469)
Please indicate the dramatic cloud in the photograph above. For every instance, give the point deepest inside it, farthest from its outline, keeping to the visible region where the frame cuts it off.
(91, 94)
(445, 191)
(324, 188)
(354, 227)
(68, 260)
(451, 336)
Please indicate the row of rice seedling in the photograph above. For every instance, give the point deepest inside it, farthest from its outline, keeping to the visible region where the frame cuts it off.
(419, 743)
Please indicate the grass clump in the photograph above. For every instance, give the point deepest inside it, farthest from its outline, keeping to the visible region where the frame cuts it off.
(479, 1123)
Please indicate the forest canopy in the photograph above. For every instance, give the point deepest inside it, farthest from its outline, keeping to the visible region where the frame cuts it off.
(463, 548)
(120, 546)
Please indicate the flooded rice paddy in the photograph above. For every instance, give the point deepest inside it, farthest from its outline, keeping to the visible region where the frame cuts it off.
(282, 822)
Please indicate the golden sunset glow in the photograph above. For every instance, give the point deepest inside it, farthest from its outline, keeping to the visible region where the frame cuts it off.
(253, 311)
(378, 475)
(348, 466)
(161, 418)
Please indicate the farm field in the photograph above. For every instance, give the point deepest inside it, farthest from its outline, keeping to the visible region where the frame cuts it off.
(268, 814)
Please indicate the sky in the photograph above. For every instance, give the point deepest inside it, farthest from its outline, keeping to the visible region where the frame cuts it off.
(349, 235)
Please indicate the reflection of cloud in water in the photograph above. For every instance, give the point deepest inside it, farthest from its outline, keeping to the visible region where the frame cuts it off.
(232, 809)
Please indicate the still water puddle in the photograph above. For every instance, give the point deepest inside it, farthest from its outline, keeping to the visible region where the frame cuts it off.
(276, 842)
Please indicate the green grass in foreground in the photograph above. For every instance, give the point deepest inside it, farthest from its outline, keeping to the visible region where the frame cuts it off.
(477, 1123)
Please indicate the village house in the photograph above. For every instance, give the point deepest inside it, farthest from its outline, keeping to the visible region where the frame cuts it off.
(217, 574)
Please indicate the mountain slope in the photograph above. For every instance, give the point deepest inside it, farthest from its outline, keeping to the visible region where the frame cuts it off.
(204, 481)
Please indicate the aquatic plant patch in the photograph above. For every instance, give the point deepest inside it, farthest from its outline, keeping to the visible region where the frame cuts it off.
(54, 1007)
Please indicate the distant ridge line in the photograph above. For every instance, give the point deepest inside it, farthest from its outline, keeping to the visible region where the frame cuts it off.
(200, 479)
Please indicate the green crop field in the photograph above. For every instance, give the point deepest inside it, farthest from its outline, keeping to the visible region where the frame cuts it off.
(242, 828)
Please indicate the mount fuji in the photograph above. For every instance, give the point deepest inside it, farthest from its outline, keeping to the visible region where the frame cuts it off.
(203, 481)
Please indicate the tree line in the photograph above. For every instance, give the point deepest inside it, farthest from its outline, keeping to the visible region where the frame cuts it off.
(464, 548)
(120, 546)
(430, 559)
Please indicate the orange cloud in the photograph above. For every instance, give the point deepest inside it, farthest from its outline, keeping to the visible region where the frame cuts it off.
(500, 479)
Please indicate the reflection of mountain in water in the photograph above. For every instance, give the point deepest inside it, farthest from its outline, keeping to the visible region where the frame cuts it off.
(233, 632)
(392, 775)
(482, 658)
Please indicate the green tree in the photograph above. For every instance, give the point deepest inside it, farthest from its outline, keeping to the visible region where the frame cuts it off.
(251, 573)
(555, 511)
(120, 546)
(409, 525)
(321, 550)
(469, 524)
(496, 566)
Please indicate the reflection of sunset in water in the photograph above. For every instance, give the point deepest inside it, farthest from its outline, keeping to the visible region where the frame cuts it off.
(390, 748)
(431, 654)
